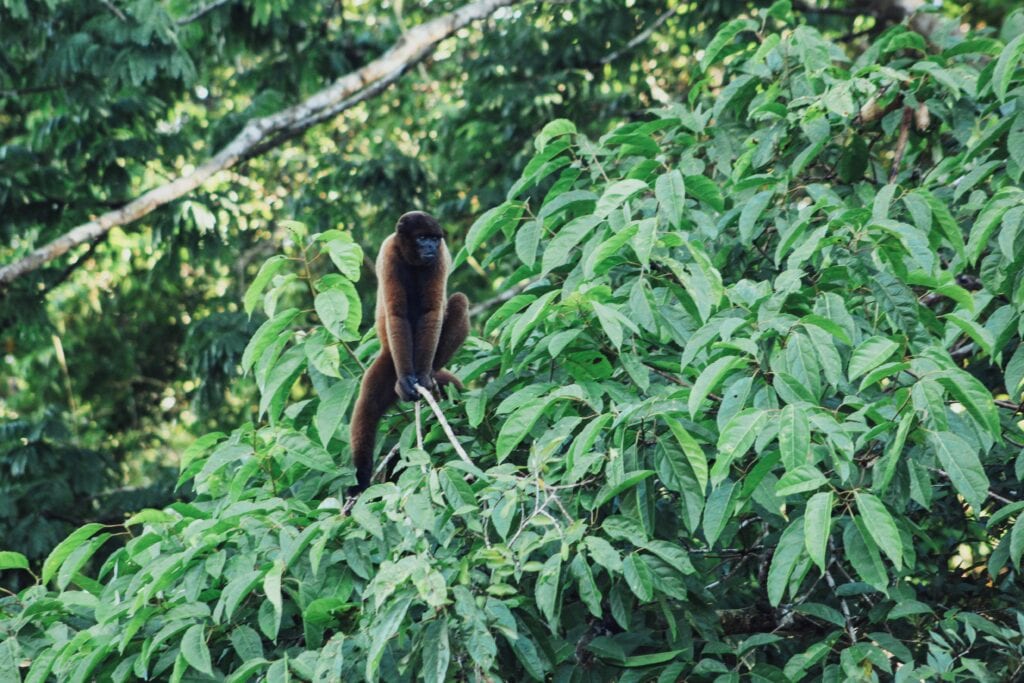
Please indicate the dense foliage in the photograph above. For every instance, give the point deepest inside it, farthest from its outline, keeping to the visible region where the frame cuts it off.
(116, 357)
(755, 414)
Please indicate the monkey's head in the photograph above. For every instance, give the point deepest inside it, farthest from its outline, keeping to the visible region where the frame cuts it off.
(419, 238)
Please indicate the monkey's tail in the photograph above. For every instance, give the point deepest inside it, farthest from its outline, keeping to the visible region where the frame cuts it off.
(444, 378)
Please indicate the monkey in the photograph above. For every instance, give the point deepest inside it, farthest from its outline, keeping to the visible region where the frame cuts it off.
(419, 327)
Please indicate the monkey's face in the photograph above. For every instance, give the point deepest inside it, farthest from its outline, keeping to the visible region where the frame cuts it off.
(428, 248)
(420, 238)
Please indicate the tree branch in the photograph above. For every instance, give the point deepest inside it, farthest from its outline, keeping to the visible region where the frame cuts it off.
(332, 100)
(205, 9)
(642, 36)
(484, 306)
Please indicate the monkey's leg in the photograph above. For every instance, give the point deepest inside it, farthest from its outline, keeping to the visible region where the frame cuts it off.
(454, 331)
(376, 394)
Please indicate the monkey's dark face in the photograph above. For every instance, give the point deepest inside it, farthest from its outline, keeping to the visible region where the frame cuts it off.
(420, 238)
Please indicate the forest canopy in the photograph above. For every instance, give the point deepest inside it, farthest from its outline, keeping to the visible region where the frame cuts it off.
(744, 383)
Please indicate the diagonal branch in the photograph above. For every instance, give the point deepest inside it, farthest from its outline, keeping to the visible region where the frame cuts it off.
(345, 92)
(205, 9)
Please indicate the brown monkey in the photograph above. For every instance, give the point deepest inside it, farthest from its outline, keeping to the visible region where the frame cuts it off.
(420, 329)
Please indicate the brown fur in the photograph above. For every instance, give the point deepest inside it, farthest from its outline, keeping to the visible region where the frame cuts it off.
(419, 327)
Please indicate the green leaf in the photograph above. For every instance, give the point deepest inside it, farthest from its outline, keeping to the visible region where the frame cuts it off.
(9, 658)
(670, 191)
(490, 222)
(710, 378)
(517, 426)
(869, 354)
(1016, 541)
(705, 190)
(672, 553)
(643, 241)
(195, 650)
(818, 526)
(556, 253)
(65, 548)
(384, 627)
(960, 462)
(346, 255)
(736, 438)
(880, 526)
(784, 559)
(863, 555)
(981, 336)
(974, 396)
(267, 333)
(947, 224)
(332, 308)
(12, 560)
(829, 326)
(279, 382)
(527, 239)
(609, 491)
(800, 479)
(651, 659)
(603, 553)
(725, 35)
(1006, 65)
(547, 589)
(266, 273)
(587, 588)
(552, 130)
(331, 411)
(718, 511)
(794, 436)
(692, 450)
(616, 194)
(752, 210)
(272, 590)
(1014, 377)
(437, 652)
(150, 516)
(638, 577)
(607, 250)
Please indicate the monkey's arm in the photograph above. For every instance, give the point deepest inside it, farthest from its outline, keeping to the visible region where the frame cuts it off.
(395, 310)
(428, 328)
(428, 332)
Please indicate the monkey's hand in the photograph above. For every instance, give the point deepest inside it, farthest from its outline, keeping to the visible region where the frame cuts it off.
(427, 381)
(405, 387)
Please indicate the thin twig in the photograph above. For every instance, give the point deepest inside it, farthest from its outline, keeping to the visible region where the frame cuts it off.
(118, 13)
(444, 424)
(991, 494)
(1010, 405)
(419, 427)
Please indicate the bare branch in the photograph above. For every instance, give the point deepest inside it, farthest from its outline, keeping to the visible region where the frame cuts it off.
(205, 9)
(117, 13)
(642, 36)
(332, 100)
(500, 299)
(444, 424)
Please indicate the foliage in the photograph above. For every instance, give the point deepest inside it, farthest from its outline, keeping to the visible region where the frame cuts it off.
(100, 101)
(753, 417)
